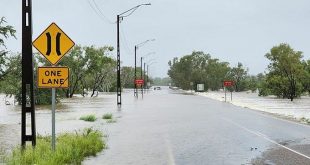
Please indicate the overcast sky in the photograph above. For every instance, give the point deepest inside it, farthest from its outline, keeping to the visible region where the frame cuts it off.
(231, 30)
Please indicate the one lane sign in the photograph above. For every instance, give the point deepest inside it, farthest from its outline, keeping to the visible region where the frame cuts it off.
(53, 77)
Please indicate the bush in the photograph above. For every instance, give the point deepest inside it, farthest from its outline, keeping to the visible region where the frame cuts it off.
(71, 148)
(90, 118)
(107, 116)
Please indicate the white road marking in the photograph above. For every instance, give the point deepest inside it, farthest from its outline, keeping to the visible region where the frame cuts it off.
(265, 137)
(171, 160)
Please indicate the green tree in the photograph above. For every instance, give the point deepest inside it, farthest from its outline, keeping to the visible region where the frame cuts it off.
(238, 75)
(285, 72)
(100, 68)
(6, 31)
(76, 61)
(306, 76)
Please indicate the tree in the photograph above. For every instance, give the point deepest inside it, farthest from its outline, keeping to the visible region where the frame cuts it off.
(6, 31)
(306, 76)
(216, 73)
(238, 75)
(285, 72)
(100, 68)
(76, 61)
(189, 68)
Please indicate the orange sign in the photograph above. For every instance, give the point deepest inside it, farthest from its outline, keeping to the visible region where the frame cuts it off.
(53, 44)
(53, 77)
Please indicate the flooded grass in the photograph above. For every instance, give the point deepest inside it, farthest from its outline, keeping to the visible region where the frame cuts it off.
(90, 118)
(107, 116)
(71, 148)
(111, 121)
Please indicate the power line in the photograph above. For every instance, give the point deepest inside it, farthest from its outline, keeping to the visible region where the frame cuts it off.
(123, 38)
(100, 15)
(100, 11)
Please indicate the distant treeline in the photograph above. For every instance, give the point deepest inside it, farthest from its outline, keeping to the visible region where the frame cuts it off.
(288, 74)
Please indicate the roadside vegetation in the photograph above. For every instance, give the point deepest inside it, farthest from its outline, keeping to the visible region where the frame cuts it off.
(71, 148)
(107, 116)
(111, 121)
(288, 73)
(89, 118)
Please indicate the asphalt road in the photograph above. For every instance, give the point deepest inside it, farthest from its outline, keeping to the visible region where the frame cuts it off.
(170, 127)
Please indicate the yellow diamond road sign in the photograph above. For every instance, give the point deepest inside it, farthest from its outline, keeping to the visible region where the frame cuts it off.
(53, 44)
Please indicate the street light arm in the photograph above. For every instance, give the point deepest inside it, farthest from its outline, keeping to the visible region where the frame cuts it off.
(151, 61)
(142, 43)
(145, 56)
(133, 10)
(154, 62)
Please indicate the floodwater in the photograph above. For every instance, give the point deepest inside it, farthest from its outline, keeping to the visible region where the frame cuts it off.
(166, 127)
(67, 117)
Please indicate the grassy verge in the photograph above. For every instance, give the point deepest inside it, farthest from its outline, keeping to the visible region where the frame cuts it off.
(107, 116)
(90, 118)
(71, 148)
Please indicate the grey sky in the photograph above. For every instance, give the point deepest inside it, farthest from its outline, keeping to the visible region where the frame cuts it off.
(231, 30)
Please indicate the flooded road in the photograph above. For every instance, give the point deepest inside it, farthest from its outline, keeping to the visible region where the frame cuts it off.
(172, 127)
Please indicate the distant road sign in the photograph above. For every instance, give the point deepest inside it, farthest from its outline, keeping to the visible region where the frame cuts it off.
(200, 87)
(139, 82)
(53, 44)
(228, 83)
(53, 77)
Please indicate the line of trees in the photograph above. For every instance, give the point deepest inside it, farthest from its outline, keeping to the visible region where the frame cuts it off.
(288, 74)
(201, 68)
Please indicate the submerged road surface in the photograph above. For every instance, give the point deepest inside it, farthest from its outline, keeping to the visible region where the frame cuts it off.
(171, 127)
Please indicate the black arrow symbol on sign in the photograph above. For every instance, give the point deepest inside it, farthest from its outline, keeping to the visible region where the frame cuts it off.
(58, 44)
(49, 44)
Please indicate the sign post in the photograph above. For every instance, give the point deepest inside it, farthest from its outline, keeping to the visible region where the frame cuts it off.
(228, 83)
(53, 44)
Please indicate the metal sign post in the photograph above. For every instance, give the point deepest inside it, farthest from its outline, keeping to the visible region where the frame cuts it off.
(225, 93)
(27, 75)
(228, 83)
(53, 118)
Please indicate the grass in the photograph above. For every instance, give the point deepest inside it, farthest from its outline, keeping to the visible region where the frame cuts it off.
(305, 120)
(90, 118)
(111, 121)
(107, 116)
(71, 148)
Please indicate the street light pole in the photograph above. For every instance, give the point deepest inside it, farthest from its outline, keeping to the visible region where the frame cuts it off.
(118, 19)
(118, 88)
(135, 90)
(147, 77)
(141, 77)
(136, 48)
(144, 76)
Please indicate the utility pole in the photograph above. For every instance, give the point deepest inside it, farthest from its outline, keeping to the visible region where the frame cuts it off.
(144, 77)
(147, 77)
(27, 74)
(141, 77)
(135, 90)
(118, 88)
(118, 19)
